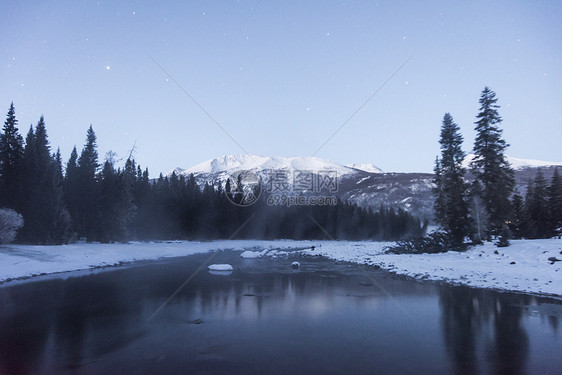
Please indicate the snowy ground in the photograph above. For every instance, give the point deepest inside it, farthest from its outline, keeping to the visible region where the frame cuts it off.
(523, 266)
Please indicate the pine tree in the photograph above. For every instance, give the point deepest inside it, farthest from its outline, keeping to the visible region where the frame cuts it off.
(87, 218)
(115, 206)
(33, 170)
(71, 187)
(527, 226)
(438, 192)
(539, 207)
(555, 203)
(11, 155)
(491, 170)
(451, 207)
(536, 208)
(59, 217)
(46, 219)
(518, 216)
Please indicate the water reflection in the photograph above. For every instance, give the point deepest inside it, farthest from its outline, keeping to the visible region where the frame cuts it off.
(476, 320)
(325, 318)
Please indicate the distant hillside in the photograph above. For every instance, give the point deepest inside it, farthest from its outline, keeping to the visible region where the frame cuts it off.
(364, 184)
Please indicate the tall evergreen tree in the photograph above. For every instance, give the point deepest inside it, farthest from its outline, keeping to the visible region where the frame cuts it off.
(536, 221)
(45, 217)
(86, 210)
(438, 192)
(11, 155)
(555, 203)
(115, 205)
(451, 207)
(60, 223)
(527, 227)
(490, 168)
(518, 216)
(71, 187)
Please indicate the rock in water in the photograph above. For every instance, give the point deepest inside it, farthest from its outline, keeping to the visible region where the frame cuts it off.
(296, 265)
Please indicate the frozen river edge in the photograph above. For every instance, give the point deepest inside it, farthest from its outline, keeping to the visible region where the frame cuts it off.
(522, 267)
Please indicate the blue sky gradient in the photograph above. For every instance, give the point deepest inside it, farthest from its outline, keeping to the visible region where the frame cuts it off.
(282, 76)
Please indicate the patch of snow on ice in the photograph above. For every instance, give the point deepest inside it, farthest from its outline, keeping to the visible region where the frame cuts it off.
(250, 254)
(220, 267)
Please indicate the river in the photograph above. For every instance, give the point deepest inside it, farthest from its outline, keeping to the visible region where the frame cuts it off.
(266, 317)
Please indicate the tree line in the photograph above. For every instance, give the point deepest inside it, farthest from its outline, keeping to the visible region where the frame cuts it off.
(98, 201)
(538, 214)
(481, 203)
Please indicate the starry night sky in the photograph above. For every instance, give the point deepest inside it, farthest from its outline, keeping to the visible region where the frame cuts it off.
(280, 76)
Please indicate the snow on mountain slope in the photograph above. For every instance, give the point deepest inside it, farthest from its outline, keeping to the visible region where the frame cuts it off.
(370, 167)
(517, 163)
(234, 163)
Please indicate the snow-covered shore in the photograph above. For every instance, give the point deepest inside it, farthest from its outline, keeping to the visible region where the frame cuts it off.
(522, 267)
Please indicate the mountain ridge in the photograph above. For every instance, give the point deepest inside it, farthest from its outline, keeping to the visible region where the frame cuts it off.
(358, 183)
(238, 162)
(518, 163)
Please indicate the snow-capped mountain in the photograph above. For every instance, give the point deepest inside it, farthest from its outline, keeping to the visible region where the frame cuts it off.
(364, 184)
(234, 163)
(517, 163)
(370, 167)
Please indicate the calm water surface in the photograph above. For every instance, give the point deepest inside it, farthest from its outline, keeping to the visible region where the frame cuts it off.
(266, 318)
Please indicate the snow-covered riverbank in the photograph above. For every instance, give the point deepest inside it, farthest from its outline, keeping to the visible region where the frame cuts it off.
(524, 266)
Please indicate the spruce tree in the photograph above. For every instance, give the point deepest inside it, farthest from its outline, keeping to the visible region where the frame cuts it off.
(527, 228)
(60, 222)
(46, 219)
(438, 192)
(451, 207)
(518, 216)
(555, 203)
(490, 168)
(115, 207)
(11, 155)
(536, 208)
(71, 188)
(86, 210)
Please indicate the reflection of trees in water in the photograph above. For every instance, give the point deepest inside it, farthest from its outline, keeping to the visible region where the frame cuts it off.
(470, 316)
(511, 346)
(94, 312)
(462, 318)
(24, 331)
(236, 297)
(60, 325)
(554, 322)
